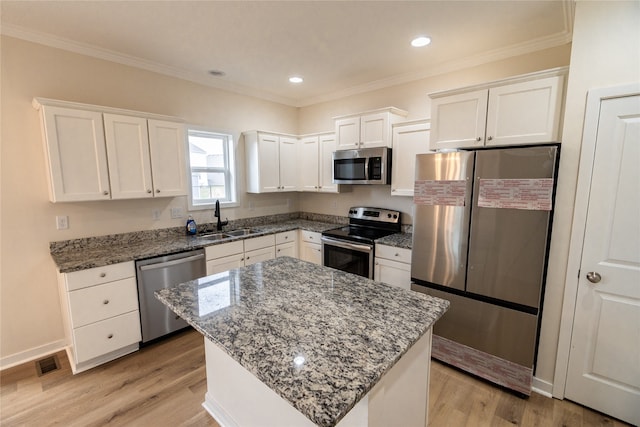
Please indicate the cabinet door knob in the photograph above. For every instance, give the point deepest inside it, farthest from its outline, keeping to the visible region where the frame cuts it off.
(478, 139)
(279, 250)
(397, 254)
(157, 191)
(105, 192)
(148, 191)
(105, 302)
(490, 138)
(103, 274)
(110, 336)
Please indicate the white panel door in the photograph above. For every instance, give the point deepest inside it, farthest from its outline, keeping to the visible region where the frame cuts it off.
(76, 153)
(127, 141)
(348, 133)
(168, 166)
(327, 147)
(269, 163)
(525, 113)
(458, 121)
(604, 360)
(409, 140)
(288, 163)
(308, 158)
(375, 130)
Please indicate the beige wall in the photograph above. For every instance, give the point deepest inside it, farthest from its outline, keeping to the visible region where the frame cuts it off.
(29, 308)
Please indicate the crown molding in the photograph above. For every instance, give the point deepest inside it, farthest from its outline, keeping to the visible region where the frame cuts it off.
(113, 56)
(530, 46)
(447, 67)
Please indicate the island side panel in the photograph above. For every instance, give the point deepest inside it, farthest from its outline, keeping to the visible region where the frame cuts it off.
(401, 397)
(236, 398)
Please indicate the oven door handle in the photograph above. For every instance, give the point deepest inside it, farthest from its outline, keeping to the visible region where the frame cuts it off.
(346, 245)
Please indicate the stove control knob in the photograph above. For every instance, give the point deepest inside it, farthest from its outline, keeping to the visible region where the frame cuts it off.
(395, 216)
(388, 215)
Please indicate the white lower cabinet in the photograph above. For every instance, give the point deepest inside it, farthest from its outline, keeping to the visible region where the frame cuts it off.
(310, 247)
(101, 315)
(393, 266)
(227, 256)
(287, 244)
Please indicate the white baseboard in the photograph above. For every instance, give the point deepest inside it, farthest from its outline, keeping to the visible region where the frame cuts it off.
(31, 354)
(542, 387)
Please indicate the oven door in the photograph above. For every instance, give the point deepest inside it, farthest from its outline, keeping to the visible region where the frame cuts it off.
(347, 256)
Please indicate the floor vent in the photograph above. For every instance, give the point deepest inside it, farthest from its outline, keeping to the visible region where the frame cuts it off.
(46, 365)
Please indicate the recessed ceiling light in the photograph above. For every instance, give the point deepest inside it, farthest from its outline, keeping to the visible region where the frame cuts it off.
(420, 41)
(296, 79)
(217, 73)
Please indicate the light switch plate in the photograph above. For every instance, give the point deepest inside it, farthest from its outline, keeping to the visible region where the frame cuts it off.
(155, 214)
(176, 212)
(62, 222)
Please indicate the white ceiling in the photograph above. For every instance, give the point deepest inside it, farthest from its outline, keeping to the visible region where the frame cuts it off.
(339, 47)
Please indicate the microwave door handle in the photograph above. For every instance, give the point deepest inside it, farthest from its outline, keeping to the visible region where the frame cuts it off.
(366, 168)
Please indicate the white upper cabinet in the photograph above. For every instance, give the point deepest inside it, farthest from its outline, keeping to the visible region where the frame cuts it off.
(309, 163)
(128, 153)
(367, 130)
(96, 153)
(522, 110)
(409, 140)
(315, 156)
(76, 154)
(167, 148)
(271, 162)
(327, 145)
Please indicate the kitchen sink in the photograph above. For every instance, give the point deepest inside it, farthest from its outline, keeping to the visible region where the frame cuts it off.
(242, 232)
(213, 236)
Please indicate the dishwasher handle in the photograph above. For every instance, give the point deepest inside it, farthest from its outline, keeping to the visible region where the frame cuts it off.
(170, 263)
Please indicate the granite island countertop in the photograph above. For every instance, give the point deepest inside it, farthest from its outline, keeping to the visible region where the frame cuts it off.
(350, 330)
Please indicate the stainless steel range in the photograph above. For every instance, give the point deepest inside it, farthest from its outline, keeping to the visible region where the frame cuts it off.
(351, 248)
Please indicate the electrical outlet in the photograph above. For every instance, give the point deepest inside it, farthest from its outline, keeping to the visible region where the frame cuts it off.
(155, 214)
(176, 212)
(62, 222)
(334, 204)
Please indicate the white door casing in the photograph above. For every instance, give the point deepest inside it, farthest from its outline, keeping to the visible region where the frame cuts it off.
(600, 368)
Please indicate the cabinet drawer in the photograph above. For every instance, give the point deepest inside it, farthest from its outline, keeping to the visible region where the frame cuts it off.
(286, 237)
(286, 249)
(259, 242)
(311, 236)
(259, 255)
(230, 262)
(106, 336)
(101, 302)
(393, 253)
(98, 275)
(225, 249)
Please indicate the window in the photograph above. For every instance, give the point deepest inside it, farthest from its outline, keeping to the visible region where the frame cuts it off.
(212, 168)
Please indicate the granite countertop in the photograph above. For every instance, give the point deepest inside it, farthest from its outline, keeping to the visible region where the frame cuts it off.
(398, 240)
(82, 254)
(350, 330)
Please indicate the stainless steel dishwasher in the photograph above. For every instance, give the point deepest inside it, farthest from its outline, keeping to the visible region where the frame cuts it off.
(164, 272)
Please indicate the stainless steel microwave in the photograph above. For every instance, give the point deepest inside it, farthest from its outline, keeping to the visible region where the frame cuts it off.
(363, 166)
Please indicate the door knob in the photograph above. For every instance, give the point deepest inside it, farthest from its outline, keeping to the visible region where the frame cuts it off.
(594, 277)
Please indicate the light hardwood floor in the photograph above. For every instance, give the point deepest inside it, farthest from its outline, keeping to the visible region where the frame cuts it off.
(164, 385)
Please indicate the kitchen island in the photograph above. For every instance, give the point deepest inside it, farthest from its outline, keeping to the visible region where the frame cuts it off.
(293, 343)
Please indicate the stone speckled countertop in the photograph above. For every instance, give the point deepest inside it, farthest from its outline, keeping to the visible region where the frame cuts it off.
(398, 240)
(81, 254)
(349, 329)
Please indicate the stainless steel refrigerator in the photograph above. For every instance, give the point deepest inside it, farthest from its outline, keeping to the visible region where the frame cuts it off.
(482, 221)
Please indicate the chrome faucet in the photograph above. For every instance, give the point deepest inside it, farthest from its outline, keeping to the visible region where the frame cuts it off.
(216, 213)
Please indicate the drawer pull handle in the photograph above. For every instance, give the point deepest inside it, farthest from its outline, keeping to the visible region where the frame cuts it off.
(105, 302)
(109, 336)
(103, 274)
(397, 254)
